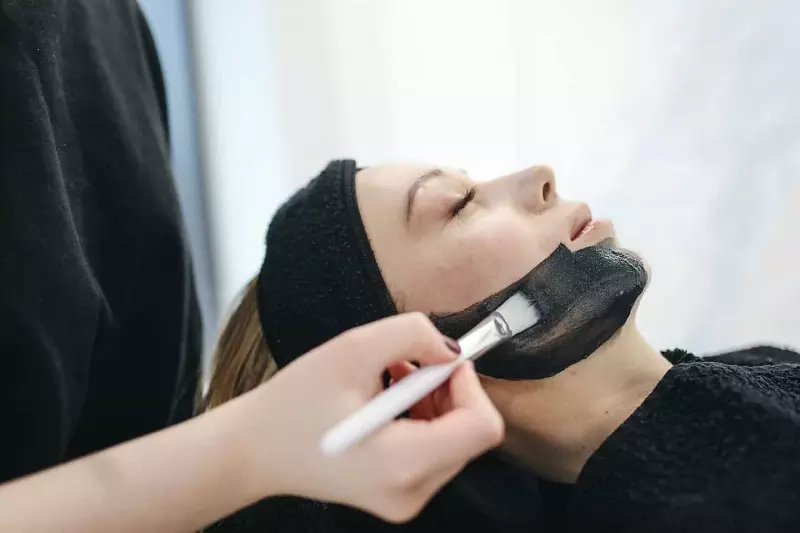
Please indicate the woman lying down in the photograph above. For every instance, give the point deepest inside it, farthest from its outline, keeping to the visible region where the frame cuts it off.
(604, 432)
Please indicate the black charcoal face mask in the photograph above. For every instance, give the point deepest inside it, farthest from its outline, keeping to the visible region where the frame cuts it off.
(583, 298)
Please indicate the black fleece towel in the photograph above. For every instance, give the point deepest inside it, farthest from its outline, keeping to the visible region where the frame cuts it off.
(714, 448)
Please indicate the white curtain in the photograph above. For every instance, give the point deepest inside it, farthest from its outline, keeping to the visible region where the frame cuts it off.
(678, 119)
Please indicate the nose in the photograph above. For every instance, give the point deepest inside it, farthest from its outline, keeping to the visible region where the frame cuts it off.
(539, 188)
(534, 188)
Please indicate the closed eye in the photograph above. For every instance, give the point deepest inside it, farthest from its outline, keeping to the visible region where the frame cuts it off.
(463, 202)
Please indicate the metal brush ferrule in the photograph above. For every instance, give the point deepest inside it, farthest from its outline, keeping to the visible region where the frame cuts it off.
(490, 332)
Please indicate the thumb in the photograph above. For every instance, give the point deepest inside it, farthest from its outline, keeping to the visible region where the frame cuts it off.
(470, 428)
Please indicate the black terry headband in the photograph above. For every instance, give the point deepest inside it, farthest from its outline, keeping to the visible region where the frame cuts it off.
(319, 277)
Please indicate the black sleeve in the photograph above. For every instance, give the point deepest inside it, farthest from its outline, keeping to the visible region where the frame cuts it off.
(40, 262)
(300, 515)
(99, 324)
(715, 447)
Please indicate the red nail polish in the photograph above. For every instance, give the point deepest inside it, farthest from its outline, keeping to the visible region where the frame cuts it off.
(453, 345)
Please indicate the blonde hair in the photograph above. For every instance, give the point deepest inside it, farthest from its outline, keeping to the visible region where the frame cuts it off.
(241, 359)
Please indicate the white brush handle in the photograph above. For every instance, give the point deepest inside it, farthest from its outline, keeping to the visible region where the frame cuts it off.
(385, 407)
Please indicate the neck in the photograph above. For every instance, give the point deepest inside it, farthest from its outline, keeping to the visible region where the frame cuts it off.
(554, 425)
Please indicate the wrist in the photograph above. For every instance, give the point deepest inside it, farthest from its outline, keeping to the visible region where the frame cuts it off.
(256, 443)
(245, 453)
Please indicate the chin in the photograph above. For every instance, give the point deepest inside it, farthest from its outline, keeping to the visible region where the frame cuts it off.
(610, 239)
(642, 259)
(604, 234)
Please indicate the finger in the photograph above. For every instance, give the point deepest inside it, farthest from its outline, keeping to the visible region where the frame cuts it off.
(403, 447)
(409, 337)
(400, 370)
(441, 399)
(471, 428)
(466, 390)
(424, 409)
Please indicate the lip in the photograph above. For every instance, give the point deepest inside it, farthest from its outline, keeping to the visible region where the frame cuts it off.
(581, 220)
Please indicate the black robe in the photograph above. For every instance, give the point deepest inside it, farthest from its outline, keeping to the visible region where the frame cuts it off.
(99, 324)
(715, 447)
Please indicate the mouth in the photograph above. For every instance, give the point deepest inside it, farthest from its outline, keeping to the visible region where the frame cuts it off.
(582, 222)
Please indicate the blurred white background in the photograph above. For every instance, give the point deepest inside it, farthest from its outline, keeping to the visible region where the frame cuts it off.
(678, 119)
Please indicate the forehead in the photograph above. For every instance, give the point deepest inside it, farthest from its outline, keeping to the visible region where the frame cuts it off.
(388, 185)
(382, 193)
(396, 177)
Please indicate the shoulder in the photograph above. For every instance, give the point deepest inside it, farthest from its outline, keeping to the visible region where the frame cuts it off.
(750, 356)
(756, 356)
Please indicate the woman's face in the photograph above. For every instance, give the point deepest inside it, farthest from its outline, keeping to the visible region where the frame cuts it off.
(444, 242)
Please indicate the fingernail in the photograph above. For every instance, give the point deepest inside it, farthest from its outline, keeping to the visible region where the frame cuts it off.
(453, 345)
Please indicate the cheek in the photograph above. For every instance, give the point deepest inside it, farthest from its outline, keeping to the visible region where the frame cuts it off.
(481, 259)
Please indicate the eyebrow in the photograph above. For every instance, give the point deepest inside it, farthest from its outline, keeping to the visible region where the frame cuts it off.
(417, 185)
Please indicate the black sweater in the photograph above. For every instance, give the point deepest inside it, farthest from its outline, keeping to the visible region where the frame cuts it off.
(715, 447)
(99, 329)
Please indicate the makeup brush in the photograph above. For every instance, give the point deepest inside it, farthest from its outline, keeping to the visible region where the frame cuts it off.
(514, 316)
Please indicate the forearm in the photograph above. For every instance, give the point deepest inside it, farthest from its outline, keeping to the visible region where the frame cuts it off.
(179, 479)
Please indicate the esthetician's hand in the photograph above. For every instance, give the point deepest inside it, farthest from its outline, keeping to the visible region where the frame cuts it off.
(394, 472)
(266, 442)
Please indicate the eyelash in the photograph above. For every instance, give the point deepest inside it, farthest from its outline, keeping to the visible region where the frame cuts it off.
(464, 202)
